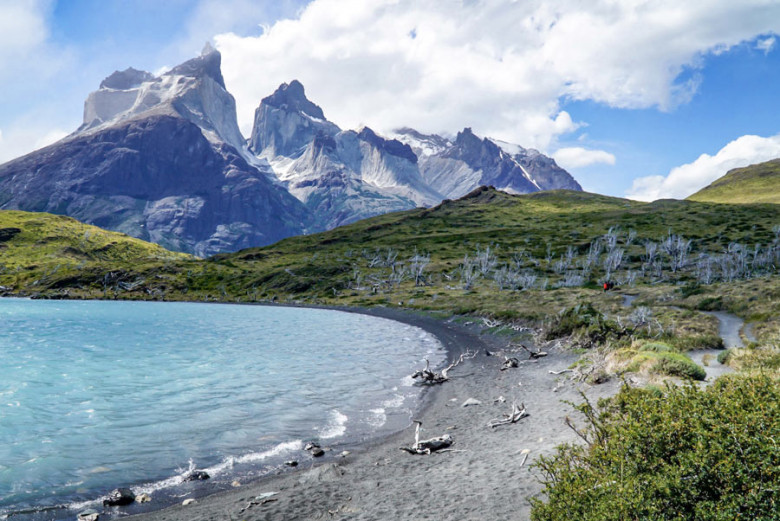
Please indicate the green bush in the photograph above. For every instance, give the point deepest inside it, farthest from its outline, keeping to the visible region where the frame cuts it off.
(710, 304)
(586, 324)
(658, 347)
(692, 342)
(724, 356)
(686, 453)
(661, 360)
(675, 364)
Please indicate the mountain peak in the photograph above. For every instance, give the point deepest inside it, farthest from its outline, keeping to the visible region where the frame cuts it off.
(126, 79)
(207, 49)
(209, 64)
(467, 137)
(292, 97)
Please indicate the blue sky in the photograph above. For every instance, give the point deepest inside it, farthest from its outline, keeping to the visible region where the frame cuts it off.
(642, 99)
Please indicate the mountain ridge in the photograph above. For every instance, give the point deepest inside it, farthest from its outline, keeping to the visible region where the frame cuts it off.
(162, 158)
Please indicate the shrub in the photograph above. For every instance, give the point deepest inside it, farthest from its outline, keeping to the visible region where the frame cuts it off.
(675, 364)
(589, 326)
(710, 304)
(658, 347)
(684, 453)
(692, 342)
(724, 356)
(660, 359)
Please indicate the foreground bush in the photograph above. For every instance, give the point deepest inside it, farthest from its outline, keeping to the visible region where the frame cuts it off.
(685, 453)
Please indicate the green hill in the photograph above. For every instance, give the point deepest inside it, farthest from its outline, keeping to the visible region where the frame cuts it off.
(40, 250)
(753, 184)
(488, 253)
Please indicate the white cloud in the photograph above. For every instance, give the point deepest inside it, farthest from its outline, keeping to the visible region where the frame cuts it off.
(20, 138)
(766, 44)
(687, 179)
(577, 157)
(499, 67)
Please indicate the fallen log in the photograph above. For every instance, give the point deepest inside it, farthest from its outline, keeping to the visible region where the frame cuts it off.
(427, 446)
(533, 354)
(509, 362)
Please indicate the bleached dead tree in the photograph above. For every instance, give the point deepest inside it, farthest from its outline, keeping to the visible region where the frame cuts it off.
(417, 265)
(486, 260)
(676, 248)
(430, 377)
(468, 272)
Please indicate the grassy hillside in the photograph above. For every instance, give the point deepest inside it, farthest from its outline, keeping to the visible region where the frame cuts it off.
(490, 253)
(39, 250)
(753, 184)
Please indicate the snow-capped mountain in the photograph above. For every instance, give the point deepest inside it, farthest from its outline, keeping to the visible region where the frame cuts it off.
(455, 168)
(162, 158)
(159, 158)
(341, 176)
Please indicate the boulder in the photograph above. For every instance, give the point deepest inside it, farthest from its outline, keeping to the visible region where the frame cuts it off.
(197, 475)
(119, 497)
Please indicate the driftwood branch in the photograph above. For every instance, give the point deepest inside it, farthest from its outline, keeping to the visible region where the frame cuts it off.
(517, 414)
(533, 354)
(427, 446)
(560, 372)
(430, 377)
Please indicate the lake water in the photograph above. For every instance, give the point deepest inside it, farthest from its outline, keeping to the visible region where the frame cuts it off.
(96, 395)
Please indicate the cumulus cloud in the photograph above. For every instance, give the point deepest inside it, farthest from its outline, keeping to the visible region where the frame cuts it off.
(687, 179)
(500, 67)
(577, 157)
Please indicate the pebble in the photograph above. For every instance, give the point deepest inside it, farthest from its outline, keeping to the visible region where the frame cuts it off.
(345, 453)
(471, 401)
(143, 498)
(236, 483)
(189, 501)
(88, 515)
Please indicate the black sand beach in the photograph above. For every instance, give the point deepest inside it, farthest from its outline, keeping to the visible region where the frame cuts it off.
(486, 476)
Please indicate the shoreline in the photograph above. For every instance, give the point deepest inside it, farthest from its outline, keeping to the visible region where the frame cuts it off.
(486, 475)
(166, 498)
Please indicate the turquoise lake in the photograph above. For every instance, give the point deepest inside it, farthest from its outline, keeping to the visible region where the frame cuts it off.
(96, 395)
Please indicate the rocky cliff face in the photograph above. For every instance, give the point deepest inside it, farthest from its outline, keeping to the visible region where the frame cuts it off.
(162, 159)
(341, 176)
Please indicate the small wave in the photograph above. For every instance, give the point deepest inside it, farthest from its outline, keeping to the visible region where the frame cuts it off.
(215, 470)
(396, 401)
(336, 426)
(278, 450)
(379, 417)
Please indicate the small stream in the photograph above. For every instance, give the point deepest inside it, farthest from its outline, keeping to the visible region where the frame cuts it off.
(729, 327)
